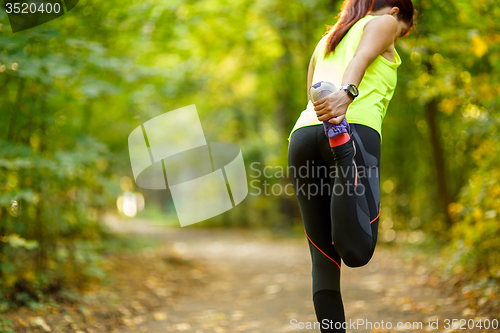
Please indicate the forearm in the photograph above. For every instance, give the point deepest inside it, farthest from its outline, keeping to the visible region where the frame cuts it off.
(355, 71)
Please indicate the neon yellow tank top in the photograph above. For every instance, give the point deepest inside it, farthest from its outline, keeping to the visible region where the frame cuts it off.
(375, 90)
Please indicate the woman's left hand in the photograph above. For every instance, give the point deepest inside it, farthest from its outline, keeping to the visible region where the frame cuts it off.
(333, 107)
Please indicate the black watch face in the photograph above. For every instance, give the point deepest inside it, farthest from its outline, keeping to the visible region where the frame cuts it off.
(354, 91)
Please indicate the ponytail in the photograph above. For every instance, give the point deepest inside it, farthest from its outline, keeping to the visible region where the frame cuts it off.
(352, 12)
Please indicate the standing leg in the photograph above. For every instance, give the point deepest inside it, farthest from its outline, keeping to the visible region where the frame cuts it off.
(328, 304)
(310, 175)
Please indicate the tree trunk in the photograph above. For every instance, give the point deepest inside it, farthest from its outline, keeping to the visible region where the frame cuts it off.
(439, 162)
(15, 110)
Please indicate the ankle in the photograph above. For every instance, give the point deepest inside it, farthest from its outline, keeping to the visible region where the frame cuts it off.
(339, 140)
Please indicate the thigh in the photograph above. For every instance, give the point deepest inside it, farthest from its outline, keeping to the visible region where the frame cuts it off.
(310, 175)
(367, 158)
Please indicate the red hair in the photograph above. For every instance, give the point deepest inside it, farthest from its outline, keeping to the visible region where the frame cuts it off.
(354, 10)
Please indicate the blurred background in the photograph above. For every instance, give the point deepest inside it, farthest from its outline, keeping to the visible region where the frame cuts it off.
(73, 89)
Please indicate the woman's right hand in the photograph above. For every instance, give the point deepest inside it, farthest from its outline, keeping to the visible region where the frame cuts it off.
(333, 107)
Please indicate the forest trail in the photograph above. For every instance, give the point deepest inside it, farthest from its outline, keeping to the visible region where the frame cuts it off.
(258, 284)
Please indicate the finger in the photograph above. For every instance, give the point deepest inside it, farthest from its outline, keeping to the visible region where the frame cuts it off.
(325, 117)
(321, 107)
(321, 111)
(320, 101)
(337, 120)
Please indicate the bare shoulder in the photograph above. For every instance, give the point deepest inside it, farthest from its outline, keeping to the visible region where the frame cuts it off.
(382, 24)
(378, 37)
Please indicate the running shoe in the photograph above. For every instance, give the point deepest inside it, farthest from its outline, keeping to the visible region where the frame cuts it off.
(332, 130)
(316, 92)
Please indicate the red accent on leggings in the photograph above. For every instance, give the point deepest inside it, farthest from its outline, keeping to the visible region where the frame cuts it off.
(320, 250)
(379, 207)
(339, 140)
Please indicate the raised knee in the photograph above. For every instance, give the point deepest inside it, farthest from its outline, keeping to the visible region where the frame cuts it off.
(357, 257)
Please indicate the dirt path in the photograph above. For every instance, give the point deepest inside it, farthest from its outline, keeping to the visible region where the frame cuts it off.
(257, 284)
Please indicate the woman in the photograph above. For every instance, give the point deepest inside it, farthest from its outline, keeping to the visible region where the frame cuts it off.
(339, 195)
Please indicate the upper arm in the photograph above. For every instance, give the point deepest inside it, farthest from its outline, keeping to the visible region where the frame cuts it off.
(378, 35)
(310, 73)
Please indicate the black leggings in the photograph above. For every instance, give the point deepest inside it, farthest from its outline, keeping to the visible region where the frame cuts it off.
(339, 199)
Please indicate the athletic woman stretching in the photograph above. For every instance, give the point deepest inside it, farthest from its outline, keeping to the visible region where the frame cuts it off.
(336, 180)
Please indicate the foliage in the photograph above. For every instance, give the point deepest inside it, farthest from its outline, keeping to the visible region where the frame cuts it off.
(449, 78)
(476, 235)
(74, 88)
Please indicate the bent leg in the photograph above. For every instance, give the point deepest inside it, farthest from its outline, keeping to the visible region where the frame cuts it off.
(356, 196)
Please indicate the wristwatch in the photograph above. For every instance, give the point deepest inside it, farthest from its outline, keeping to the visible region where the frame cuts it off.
(351, 90)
